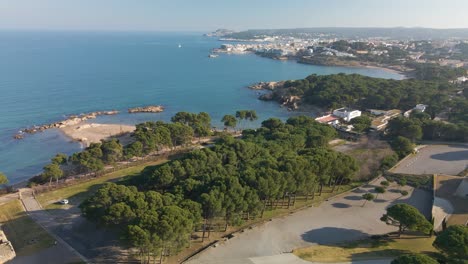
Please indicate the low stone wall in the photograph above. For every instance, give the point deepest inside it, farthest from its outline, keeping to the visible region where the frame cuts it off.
(7, 252)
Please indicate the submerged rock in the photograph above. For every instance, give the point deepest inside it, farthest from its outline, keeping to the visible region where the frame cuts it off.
(147, 109)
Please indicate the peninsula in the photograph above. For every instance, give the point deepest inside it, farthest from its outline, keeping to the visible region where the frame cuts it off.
(70, 121)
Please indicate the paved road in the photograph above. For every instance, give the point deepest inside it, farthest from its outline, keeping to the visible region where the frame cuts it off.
(337, 220)
(62, 252)
(436, 159)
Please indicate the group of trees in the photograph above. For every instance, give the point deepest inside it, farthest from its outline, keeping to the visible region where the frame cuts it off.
(362, 92)
(53, 171)
(420, 126)
(432, 71)
(148, 137)
(361, 123)
(231, 121)
(235, 180)
(152, 222)
(452, 242)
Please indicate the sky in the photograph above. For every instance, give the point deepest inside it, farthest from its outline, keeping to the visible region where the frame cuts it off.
(206, 15)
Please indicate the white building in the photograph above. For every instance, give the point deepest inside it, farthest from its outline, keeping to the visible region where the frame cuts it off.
(420, 107)
(346, 113)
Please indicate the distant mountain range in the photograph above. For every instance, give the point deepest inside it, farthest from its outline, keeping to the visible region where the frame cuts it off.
(350, 32)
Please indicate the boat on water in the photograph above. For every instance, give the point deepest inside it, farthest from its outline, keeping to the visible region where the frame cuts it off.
(180, 46)
(213, 55)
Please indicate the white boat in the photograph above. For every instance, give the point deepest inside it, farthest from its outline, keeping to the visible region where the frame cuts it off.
(213, 55)
(180, 46)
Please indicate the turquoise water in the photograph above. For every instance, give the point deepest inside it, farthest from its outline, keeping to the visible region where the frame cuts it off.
(46, 75)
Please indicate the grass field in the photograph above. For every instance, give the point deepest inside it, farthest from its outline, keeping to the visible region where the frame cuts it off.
(26, 236)
(368, 249)
(78, 192)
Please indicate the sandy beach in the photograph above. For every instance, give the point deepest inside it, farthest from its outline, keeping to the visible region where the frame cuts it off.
(88, 133)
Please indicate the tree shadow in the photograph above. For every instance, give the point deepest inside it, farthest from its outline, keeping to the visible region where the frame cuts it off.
(451, 156)
(331, 235)
(353, 198)
(359, 191)
(380, 200)
(419, 198)
(341, 205)
(394, 190)
(95, 242)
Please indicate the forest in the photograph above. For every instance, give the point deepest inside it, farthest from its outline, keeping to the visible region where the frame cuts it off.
(362, 92)
(236, 179)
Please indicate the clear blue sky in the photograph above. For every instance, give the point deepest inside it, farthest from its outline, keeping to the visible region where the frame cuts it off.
(202, 15)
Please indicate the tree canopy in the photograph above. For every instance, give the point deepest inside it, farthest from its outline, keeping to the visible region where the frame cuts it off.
(406, 217)
(158, 209)
(414, 259)
(453, 241)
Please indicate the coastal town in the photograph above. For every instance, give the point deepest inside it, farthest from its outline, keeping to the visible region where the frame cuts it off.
(321, 49)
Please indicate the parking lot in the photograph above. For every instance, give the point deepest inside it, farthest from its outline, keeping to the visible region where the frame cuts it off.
(340, 219)
(436, 159)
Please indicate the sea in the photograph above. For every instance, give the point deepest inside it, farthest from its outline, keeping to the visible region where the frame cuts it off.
(45, 76)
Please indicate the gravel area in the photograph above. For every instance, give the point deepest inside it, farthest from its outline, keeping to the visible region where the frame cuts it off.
(338, 220)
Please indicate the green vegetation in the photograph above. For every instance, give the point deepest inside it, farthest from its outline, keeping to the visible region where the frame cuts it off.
(149, 137)
(368, 249)
(336, 90)
(76, 193)
(416, 181)
(246, 115)
(200, 123)
(3, 179)
(379, 190)
(361, 123)
(453, 242)
(414, 129)
(236, 180)
(432, 71)
(229, 121)
(406, 217)
(367, 197)
(414, 259)
(26, 236)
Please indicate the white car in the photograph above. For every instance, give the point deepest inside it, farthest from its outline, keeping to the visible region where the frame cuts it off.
(64, 201)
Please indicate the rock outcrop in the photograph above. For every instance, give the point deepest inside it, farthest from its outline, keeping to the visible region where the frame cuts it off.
(147, 109)
(277, 92)
(266, 85)
(71, 120)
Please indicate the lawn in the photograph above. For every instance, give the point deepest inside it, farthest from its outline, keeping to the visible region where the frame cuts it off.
(26, 236)
(368, 249)
(78, 192)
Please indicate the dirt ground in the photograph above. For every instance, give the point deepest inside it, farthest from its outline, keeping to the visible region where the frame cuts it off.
(368, 152)
(337, 220)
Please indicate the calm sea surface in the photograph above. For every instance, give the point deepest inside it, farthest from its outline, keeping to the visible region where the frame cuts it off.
(46, 75)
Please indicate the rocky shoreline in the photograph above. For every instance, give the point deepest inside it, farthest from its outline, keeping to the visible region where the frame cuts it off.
(277, 93)
(71, 120)
(147, 109)
(77, 119)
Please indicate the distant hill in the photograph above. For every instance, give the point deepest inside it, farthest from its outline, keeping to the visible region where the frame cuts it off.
(393, 33)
